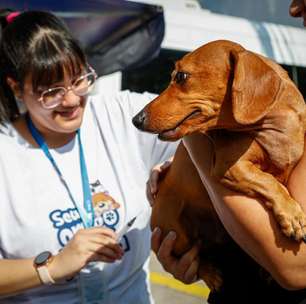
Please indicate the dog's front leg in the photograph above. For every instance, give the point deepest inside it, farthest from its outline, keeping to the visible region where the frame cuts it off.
(245, 177)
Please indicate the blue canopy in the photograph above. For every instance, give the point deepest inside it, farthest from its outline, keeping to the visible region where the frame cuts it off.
(115, 34)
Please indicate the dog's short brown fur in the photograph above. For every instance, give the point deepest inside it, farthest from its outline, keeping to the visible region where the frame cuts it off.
(256, 118)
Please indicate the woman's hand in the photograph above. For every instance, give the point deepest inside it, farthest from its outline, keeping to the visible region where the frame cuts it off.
(87, 245)
(184, 268)
(156, 173)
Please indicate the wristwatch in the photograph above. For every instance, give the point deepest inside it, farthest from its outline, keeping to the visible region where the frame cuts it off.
(41, 263)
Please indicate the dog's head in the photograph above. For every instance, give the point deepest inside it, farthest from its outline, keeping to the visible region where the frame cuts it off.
(219, 85)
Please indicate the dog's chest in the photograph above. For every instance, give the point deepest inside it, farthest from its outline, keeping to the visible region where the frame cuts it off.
(229, 148)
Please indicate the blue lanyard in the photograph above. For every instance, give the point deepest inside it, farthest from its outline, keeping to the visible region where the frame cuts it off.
(88, 218)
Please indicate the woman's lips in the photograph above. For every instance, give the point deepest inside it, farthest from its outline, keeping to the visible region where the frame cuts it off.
(71, 113)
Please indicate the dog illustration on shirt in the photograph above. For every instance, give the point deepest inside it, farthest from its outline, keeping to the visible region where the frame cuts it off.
(105, 206)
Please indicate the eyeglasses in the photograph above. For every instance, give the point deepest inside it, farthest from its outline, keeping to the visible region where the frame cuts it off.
(53, 97)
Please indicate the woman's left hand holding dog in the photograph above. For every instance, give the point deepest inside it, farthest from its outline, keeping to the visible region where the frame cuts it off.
(186, 267)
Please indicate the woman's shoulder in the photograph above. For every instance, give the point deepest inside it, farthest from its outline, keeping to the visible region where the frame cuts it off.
(9, 138)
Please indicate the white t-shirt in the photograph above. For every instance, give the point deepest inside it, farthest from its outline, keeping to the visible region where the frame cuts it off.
(37, 213)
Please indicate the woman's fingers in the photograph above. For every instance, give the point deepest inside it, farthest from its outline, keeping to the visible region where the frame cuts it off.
(153, 180)
(156, 239)
(97, 257)
(191, 275)
(188, 258)
(164, 253)
(101, 231)
(109, 252)
(166, 164)
(105, 241)
(156, 173)
(149, 194)
(105, 251)
(94, 244)
(116, 248)
(98, 240)
(184, 268)
(151, 185)
(187, 267)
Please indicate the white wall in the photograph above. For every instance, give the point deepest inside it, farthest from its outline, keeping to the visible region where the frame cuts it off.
(188, 27)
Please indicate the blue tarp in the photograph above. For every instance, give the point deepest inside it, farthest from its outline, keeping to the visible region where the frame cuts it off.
(116, 34)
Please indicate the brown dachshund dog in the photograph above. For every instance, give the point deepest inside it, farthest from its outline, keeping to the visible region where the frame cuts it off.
(256, 118)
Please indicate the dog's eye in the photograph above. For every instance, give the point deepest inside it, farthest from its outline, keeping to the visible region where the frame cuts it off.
(180, 77)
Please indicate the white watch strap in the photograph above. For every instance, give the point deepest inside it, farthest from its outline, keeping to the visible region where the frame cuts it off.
(44, 275)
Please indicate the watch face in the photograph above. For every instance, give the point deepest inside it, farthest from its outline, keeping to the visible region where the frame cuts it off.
(42, 258)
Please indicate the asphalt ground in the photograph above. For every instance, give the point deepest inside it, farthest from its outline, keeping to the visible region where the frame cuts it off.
(166, 289)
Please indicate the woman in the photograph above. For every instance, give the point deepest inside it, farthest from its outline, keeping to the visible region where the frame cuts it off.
(74, 218)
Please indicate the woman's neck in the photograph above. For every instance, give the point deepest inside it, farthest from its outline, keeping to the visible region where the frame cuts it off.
(52, 139)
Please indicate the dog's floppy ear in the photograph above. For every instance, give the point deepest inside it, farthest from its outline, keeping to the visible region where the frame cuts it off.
(255, 87)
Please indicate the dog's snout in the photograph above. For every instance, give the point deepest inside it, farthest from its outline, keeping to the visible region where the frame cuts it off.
(139, 120)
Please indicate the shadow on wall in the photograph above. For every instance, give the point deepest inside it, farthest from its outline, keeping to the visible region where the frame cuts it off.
(268, 33)
(264, 38)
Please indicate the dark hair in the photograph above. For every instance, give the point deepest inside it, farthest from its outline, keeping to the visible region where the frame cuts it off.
(35, 43)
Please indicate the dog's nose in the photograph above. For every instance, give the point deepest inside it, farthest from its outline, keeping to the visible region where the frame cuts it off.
(139, 120)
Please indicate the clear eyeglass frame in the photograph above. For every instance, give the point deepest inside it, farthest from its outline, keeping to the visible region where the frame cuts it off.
(51, 98)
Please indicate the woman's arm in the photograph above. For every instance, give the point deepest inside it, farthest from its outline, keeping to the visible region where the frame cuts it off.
(250, 224)
(17, 275)
(87, 245)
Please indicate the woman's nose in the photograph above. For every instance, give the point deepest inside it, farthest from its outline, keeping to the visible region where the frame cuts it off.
(71, 99)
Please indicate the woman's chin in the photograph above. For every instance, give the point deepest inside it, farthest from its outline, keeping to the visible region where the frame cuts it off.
(67, 127)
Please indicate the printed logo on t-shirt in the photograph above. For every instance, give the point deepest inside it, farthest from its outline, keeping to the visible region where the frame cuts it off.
(68, 221)
(105, 207)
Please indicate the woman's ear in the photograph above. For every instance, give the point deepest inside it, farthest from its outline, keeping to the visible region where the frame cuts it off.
(15, 87)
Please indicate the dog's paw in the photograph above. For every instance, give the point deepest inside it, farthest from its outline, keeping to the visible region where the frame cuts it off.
(292, 220)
